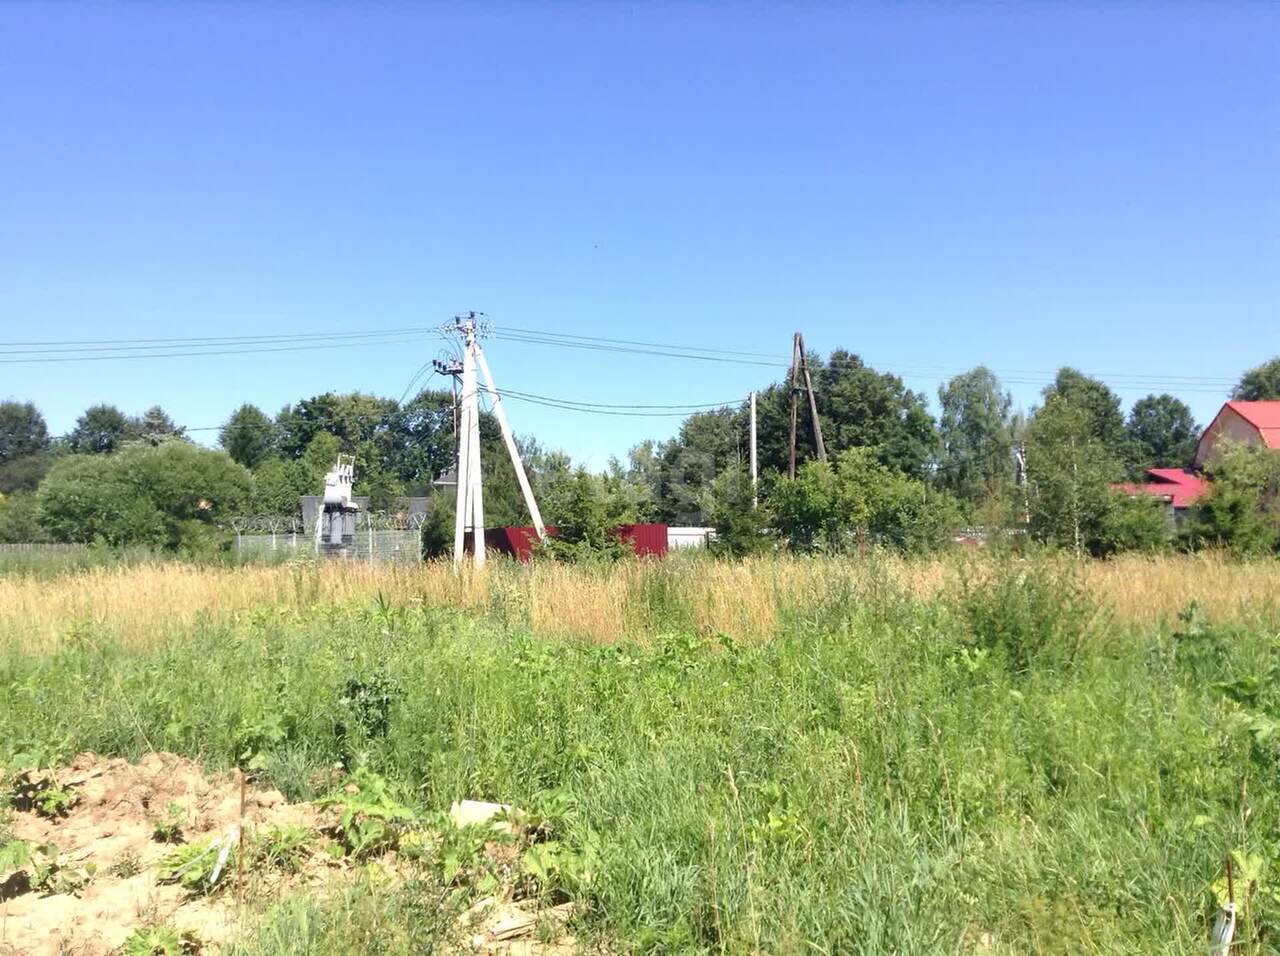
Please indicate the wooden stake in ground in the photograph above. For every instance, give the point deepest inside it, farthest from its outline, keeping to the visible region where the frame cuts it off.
(240, 849)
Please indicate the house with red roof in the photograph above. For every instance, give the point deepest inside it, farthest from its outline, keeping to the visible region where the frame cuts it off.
(1247, 423)
(1176, 487)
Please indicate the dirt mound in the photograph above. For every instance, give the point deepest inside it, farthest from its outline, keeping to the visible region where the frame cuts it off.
(108, 842)
(91, 860)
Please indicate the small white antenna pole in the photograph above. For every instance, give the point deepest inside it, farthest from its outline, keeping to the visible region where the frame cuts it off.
(512, 449)
(755, 473)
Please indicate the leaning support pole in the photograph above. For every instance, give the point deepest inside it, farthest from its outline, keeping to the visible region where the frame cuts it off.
(813, 403)
(507, 437)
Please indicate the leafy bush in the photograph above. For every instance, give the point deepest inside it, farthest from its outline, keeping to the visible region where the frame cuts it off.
(586, 517)
(1241, 511)
(171, 495)
(1130, 523)
(437, 527)
(857, 502)
(20, 519)
(371, 815)
(160, 941)
(1029, 613)
(729, 505)
(200, 868)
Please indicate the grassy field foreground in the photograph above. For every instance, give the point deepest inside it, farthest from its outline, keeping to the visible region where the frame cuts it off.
(1008, 765)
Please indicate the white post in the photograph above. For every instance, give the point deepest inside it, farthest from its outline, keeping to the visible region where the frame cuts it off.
(755, 476)
(462, 501)
(477, 490)
(370, 524)
(500, 413)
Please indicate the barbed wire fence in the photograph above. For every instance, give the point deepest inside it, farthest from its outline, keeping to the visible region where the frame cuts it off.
(378, 536)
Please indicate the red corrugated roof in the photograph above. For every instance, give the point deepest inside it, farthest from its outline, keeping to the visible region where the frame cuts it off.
(1181, 487)
(1264, 416)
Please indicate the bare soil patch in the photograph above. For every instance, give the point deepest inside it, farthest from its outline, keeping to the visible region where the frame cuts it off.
(108, 840)
(108, 824)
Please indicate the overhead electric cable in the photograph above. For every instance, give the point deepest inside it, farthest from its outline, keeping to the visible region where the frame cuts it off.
(214, 339)
(155, 355)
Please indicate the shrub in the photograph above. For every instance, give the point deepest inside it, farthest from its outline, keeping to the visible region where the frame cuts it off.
(1241, 511)
(1130, 523)
(1029, 612)
(20, 519)
(171, 496)
(586, 519)
(729, 505)
(859, 501)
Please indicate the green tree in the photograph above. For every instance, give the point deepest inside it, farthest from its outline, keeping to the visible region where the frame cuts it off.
(1241, 510)
(858, 407)
(20, 519)
(1070, 469)
(707, 443)
(353, 419)
(585, 516)
(23, 431)
(320, 455)
(742, 528)
(1101, 406)
(101, 429)
(975, 435)
(1261, 384)
(418, 444)
(156, 426)
(249, 436)
(858, 501)
(174, 495)
(278, 484)
(412, 444)
(26, 473)
(437, 528)
(1162, 433)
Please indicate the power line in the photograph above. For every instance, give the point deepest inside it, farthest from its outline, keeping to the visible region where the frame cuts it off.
(242, 351)
(591, 410)
(570, 401)
(102, 345)
(1133, 383)
(194, 346)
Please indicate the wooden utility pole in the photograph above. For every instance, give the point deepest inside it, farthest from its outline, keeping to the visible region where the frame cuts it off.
(800, 366)
(795, 364)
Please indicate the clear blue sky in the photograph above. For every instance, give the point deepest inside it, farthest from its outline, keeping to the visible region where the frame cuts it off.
(932, 186)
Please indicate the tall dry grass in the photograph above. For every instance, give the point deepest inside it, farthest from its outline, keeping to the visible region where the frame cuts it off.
(750, 599)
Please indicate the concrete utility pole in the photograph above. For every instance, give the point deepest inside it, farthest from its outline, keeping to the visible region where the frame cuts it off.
(470, 511)
(755, 472)
(470, 506)
(512, 449)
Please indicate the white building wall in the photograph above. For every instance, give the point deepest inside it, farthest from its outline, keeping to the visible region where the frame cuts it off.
(688, 537)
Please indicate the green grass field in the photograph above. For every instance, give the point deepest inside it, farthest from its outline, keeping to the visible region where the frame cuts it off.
(1001, 769)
